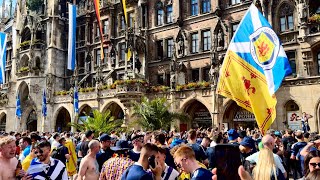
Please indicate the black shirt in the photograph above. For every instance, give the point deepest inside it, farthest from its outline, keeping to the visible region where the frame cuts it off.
(84, 148)
(103, 156)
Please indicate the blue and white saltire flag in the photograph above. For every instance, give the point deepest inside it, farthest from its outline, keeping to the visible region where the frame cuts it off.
(44, 104)
(72, 37)
(76, 100)
(254, 67)
(18, 107)
(3, 43)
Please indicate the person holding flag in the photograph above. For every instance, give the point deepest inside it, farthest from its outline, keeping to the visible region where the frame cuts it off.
(254, 67)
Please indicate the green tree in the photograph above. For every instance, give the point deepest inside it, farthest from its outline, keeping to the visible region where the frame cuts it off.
(154, 114)
(100, 122)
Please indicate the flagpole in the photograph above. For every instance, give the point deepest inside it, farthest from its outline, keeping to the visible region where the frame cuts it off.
(75, 120)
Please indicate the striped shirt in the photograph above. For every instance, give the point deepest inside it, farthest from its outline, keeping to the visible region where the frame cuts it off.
(55, 170)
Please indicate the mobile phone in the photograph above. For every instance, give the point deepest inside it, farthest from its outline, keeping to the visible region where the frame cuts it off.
(152, 161)
(227, 161)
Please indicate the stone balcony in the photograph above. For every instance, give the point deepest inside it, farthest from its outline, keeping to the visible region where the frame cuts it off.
(120, 89)
(302, 81)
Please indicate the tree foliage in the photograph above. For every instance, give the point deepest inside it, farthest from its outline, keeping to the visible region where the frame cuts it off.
(100, 122)
(154, 114)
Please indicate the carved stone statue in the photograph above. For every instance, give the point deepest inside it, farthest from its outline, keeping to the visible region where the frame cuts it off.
(138, 64)
(87, 67)
(173, 80)
(180, 44)
(214, 74)
(173, 65)
(302, 11)
(220, 39)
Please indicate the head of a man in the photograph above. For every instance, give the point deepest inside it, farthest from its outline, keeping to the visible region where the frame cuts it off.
(62, 141)
(89, 135)
(7, 147)
(184, 157)
(268, 141)
(94, 146)
(105, 141)
(138, 141)
(24, 142)
(299, 135)
(192, 135)
(56, 137)
(148, 150)
(206, 142)
(162, 156)
(43, 151)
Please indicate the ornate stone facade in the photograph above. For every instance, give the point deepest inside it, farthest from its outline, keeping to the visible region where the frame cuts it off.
(176, 45)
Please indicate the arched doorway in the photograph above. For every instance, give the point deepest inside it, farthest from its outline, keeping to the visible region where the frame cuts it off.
(32, 121)
(238, 118)
(3, 122)
(63, 119)
(292, 115)
(200, 116)
(116, 111)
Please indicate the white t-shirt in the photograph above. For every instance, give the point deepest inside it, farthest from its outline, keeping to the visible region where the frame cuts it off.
(173, 174)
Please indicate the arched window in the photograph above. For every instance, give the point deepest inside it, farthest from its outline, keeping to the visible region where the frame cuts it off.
(286, 18)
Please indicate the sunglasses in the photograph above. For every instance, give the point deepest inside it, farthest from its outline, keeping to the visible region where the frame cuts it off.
(38, 151)
(314, 165)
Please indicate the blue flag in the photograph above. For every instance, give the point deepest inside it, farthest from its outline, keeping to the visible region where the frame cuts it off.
(44, 104)
(18, 108)
(76, 100)
(3, 43)
(72, 37)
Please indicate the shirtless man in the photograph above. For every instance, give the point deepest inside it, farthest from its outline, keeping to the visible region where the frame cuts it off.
(89, 167)
(8, 161)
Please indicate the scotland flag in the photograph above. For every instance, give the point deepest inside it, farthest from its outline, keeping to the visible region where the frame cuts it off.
(254, 67)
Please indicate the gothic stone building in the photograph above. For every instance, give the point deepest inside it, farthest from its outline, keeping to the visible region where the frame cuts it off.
(176, 46)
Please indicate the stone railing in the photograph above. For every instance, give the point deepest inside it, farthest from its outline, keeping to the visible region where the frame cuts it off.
(130, 88)
(301, 81)
(289, 37)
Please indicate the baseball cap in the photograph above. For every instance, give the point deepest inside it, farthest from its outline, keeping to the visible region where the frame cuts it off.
(232, 134)
(105, 137)
(248, 142)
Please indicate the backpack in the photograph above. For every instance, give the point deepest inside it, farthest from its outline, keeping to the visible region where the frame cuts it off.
(56, 153)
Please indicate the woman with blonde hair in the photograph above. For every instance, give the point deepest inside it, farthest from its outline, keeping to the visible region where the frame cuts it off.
(266, 168)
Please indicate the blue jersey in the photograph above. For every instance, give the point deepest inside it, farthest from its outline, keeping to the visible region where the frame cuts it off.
(201, 174)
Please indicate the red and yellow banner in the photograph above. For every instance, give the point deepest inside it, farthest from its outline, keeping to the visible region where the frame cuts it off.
(248, 87)
(97, 10)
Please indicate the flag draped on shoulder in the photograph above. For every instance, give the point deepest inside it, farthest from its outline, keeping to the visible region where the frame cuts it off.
(97, 10)
(18, 107)
(3, 44)
(254, 67)
(72, 37)
(44, 104)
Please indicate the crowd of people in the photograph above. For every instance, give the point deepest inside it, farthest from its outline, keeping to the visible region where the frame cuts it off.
(277, 155)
